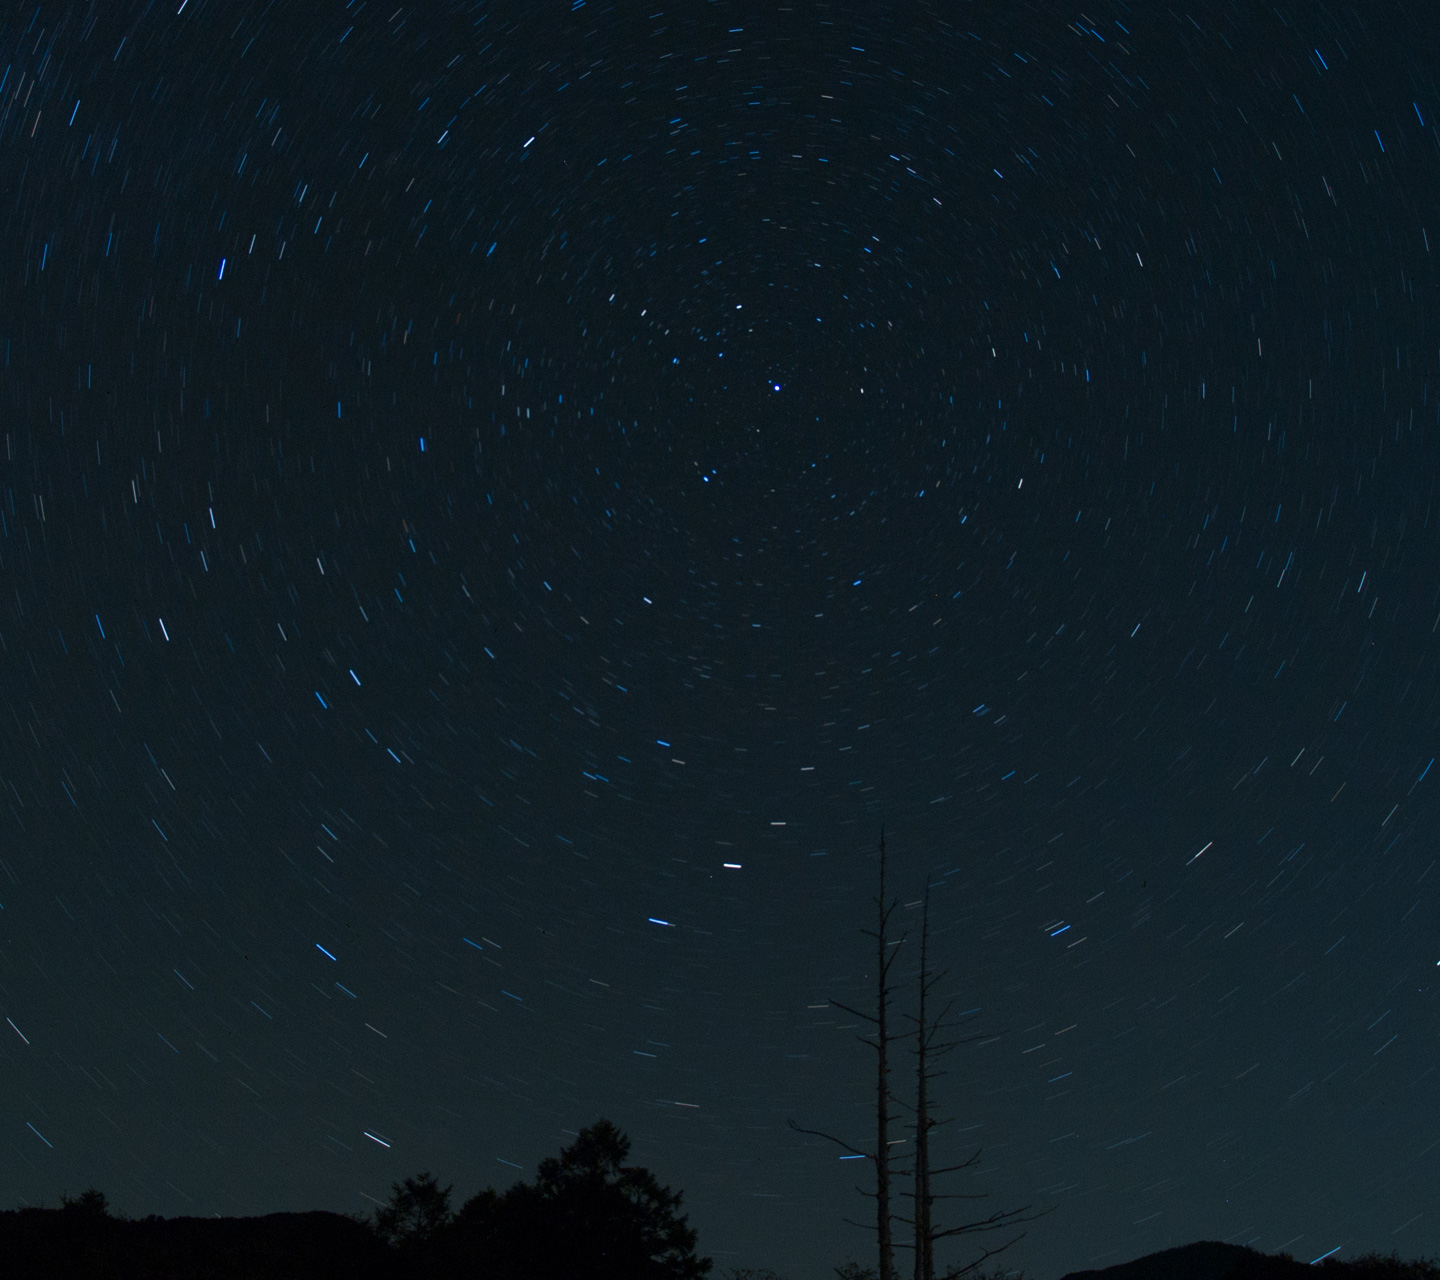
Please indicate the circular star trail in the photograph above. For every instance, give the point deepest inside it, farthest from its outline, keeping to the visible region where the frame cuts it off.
(500, 503)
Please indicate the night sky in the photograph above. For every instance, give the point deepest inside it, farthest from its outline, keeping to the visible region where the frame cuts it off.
(501, 502)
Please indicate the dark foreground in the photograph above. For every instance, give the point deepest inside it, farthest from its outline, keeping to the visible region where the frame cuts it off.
(59, 1244)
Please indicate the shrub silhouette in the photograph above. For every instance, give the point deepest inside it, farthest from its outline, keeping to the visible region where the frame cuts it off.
(1376, 1266)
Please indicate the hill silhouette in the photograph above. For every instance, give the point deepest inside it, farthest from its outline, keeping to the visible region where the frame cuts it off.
(81, 1245)
(1215, 1260)
(1203, 1260)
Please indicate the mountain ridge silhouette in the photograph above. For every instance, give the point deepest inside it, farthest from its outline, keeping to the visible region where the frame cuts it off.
(1200, 1260)
(1217, 1260)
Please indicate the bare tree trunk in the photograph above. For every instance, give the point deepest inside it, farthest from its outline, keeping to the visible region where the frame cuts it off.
(924, 1195)
(924, 1240)
(885, 953)
(882, 1099)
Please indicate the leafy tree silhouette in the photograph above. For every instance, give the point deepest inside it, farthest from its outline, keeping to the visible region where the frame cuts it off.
(91, 1203)
(587, 1214)
(418, 1211)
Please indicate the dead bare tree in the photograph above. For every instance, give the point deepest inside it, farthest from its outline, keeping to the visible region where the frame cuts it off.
(880, 1040)
(924, 1036)
(927, 1048)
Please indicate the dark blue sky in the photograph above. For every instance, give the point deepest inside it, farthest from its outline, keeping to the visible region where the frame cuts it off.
(473, 472)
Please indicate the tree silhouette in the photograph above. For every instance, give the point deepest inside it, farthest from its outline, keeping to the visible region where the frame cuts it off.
(925, 1233)
(418, 1211)
(882, 1038)
(926, 1048)
(587, 1214)
(91, 1203)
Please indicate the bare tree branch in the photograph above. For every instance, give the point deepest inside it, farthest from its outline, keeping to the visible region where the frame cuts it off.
(815, 1133)
(954, 1273)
